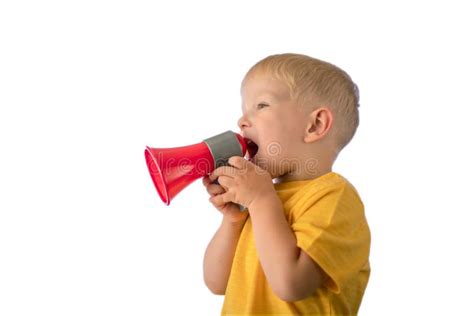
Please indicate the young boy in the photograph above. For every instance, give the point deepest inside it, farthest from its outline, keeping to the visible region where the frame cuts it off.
(302, 244)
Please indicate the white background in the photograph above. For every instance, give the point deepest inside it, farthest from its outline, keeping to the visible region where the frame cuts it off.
(86, 85)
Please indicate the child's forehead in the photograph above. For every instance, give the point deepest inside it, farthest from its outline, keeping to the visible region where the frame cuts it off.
(260, 84)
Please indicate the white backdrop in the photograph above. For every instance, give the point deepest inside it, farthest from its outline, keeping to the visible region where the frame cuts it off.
(86, 85)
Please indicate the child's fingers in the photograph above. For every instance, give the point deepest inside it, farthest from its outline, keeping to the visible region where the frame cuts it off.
(221, 199)
(206, 181)
(215, 189)
(216, 203)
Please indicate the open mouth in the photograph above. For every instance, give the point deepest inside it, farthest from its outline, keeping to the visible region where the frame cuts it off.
(252, 148)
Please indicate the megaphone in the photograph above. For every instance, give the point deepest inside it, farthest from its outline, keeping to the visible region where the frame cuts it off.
(173, 169)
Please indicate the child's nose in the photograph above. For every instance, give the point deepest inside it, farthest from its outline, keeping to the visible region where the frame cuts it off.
(243, 122)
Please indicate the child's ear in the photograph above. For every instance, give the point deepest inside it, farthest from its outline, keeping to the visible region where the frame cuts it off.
(320, 122)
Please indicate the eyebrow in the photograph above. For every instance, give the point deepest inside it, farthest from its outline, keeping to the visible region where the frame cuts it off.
(266, 96)
(275, 95)
(269, 95)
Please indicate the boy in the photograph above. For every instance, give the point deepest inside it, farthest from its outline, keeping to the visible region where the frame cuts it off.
(302, 244)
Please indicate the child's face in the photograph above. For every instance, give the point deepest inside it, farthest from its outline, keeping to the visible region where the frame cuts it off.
(272, 121)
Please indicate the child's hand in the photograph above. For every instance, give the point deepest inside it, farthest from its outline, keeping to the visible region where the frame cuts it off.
(229, 210)
(243, 182)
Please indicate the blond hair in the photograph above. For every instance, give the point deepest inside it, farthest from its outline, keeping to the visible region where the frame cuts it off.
(315, 82)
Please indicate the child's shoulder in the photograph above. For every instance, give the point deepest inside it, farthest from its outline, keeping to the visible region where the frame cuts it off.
(329, 192)
(329, 181)
(336, 184)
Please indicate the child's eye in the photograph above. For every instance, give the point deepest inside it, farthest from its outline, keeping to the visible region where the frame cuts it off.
(261, 105)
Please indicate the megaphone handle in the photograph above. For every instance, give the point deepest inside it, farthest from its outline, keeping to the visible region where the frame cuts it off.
(241, 207)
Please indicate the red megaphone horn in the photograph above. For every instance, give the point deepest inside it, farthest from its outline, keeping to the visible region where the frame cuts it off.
(173, 169)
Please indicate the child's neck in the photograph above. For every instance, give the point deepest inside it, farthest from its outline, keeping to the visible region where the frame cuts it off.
(304, 174)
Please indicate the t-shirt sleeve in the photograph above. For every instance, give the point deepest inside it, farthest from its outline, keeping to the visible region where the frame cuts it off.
(333, 231)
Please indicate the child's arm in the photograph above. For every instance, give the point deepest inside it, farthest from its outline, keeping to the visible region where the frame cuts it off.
(219, 255)
(291, 273)
(221, 249)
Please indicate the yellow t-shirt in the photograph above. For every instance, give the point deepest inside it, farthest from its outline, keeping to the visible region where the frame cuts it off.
(327, 217)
